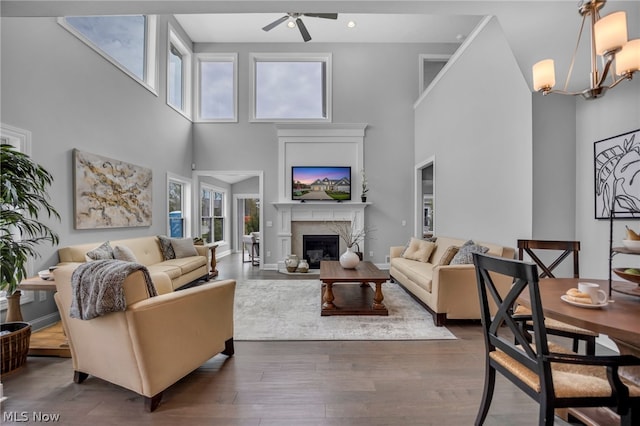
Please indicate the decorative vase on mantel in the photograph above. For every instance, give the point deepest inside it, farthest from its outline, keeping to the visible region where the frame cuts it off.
(349, 259)
(363, 198)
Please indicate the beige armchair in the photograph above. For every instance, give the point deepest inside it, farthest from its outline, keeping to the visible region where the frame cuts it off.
(156, 341)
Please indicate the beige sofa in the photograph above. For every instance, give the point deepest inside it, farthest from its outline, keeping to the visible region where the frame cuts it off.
(448, 291)
(153, 343)
(167, 275)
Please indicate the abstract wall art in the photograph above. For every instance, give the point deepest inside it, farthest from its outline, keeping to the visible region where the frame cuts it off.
(617, 176)
(110, 193)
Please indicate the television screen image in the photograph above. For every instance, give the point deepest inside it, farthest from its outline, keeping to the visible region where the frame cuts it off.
(310, 183)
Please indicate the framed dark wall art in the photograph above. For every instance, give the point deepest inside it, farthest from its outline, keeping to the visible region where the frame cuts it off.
(110, 193)
(617, 176)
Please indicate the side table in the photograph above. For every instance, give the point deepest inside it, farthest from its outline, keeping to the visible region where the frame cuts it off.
(50, 341)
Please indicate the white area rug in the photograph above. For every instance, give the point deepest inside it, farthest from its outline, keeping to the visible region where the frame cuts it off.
(290, 310)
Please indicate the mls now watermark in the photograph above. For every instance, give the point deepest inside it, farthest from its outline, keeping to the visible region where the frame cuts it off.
(33, 416)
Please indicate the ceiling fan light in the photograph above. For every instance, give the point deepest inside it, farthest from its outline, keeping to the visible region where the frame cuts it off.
(628, 59)
(544, 75)
(291, 24)
(610, 32)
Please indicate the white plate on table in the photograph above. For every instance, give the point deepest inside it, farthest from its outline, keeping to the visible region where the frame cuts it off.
(583, 305)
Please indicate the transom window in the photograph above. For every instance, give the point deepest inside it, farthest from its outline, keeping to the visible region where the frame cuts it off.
(178, 74)
(217, 93)
(127, 41)
(291, 87)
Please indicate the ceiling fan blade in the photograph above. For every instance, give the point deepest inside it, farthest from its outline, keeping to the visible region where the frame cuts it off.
(275, 23)
(322, 15)
(303, 30)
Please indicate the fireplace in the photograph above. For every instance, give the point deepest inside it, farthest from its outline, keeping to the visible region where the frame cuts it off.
(320, 247)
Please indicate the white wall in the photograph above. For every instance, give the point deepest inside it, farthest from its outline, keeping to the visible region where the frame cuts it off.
(616, 113)
(554, 167)
(69, 97)
(476, 122)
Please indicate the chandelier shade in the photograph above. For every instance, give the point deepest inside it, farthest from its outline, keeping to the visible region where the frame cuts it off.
(608, 37)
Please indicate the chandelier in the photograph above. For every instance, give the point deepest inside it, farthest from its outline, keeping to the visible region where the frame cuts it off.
(608, 40)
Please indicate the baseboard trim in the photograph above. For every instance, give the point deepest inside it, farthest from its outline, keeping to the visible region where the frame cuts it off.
(45, 321)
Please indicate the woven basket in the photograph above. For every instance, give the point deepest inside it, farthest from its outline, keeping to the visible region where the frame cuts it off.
(15, 345)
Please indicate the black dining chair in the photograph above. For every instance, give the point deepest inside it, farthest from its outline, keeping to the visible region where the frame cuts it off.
(563, 249)
(548, 373)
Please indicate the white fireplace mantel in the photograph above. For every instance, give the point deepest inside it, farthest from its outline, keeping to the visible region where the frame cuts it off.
(331, 144)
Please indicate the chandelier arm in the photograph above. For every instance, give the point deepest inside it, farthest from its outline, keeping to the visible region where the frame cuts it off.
(605, 71)
(573, 57)
(627, 76)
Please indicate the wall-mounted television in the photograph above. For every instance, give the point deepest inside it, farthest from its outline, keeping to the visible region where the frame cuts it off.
(317, 183)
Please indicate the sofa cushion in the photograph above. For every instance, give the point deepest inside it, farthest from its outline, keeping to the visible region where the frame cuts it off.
(102, 252)
(183, 247)
(419, 250)
(173, 271)
(420, 273)
(124, 253)
(166, 247)
(187, 264)
(448, 255)
(465, 253)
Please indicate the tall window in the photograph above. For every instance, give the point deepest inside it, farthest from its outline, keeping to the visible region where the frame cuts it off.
(293, 87)
(178, 196)
(178, 74)
(129, 42)
(217, 87)
(213, 214)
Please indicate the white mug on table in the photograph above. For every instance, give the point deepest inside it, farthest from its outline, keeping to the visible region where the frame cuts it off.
(598, 296)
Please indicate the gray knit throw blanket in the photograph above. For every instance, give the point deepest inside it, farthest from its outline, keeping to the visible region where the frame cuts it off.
(97, 287)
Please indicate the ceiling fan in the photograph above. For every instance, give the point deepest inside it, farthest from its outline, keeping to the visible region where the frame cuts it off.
(303, 30)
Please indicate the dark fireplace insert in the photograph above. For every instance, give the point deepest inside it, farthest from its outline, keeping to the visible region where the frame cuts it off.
(320, 247)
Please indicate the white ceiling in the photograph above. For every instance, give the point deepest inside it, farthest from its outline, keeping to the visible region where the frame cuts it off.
(370, 28)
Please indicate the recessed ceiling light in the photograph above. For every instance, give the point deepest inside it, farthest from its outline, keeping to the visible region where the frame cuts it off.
(351, 24)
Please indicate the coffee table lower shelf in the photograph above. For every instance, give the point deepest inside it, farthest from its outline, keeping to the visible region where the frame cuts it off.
(352, 299)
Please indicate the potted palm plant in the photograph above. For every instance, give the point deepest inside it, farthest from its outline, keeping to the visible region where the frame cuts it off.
(23, 198)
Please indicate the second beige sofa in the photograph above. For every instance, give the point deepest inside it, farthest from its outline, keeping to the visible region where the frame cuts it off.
(448, 291)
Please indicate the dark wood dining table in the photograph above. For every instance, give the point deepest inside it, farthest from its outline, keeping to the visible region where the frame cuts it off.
(619, 320)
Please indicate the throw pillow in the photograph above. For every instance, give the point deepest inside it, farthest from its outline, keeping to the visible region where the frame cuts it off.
(183, 247)
(102, 252)
(166, 248)
(448, 255)
(419, 250)
(465, 253)
(124, 253)
(430, 239)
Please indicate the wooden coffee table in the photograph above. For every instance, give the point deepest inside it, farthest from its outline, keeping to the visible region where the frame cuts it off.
(348, 299)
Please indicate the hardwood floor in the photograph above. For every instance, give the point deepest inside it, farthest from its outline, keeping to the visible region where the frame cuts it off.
(289, 383)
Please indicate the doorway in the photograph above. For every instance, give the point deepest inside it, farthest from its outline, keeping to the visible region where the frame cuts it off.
(241, 189)
(425, 199)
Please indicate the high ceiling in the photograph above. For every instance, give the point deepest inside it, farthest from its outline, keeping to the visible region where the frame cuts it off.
(369, 28)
